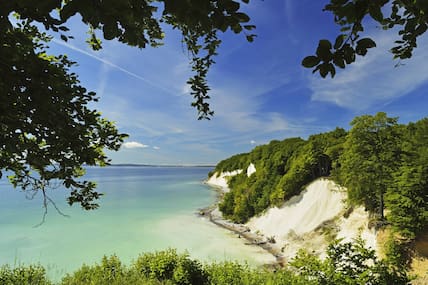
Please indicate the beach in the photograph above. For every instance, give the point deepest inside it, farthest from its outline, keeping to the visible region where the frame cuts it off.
(309, 220)
(212, 212)
(144, 209)
(242, 231)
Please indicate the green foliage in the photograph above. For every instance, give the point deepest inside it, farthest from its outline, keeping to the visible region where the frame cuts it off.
(347, 263)
(239, 274)
(168, 265)
(371, 155)
(237, 161)
(382, 164)
(110, 271)
(23, 275)
(163, 267)
(47, 130)
(398, 252)
(408, 200)
(139, 23)
(408, 18)
(283, 168)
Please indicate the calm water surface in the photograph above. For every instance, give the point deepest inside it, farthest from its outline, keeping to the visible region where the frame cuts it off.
(143, 209)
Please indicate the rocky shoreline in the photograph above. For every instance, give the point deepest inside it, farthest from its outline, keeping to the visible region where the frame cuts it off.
(254, 239)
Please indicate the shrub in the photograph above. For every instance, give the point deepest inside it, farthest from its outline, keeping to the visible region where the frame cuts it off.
(23, 275)
(168, 265)
(350, 264)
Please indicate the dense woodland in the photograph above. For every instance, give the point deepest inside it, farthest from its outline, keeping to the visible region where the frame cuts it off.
(383, 165)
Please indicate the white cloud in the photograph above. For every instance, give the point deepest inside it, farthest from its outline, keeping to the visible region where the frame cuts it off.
(237, 109)
(252, 142)
(134, 145)
(156, 147)
(373, 80)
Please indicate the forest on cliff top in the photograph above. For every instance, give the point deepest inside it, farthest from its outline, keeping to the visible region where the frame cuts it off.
(382, 164)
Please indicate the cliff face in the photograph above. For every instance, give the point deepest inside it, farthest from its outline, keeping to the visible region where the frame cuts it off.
(310, 220)
(219, 180)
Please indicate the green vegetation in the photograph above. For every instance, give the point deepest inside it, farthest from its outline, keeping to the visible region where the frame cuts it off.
(23, 275)
(383, 165)
(409, 19)
(370, 157)
(345, 264)
(348, 263)
(283, 169)
(48, 130)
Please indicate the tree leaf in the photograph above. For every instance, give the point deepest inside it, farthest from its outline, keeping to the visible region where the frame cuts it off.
(338, 60)
(376, 12)
(339, 41)
(250, 38)
(231, 6)
(310, 61)
(242, 17)
(366, 43)
(324, 69)
(324, 50)
(349, 54)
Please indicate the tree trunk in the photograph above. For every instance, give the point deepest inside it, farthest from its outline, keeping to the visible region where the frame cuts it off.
(381, 205)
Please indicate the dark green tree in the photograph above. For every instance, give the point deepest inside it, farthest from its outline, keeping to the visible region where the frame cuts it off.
(139, 23)
(408, 18)
(371, 156)
(47, 130)
(408, 200)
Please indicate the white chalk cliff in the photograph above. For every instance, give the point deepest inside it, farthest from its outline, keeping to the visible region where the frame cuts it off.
(220, 179)
(307, 220)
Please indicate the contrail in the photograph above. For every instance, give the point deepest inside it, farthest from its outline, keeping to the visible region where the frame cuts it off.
(62, 43)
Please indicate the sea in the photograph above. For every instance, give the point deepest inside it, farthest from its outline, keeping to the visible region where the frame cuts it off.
(143, 209)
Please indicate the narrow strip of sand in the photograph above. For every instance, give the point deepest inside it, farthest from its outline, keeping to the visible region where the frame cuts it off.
(250, 238)
(242, 231)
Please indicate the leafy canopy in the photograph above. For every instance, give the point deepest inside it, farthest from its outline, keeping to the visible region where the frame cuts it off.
(139, 23)
(382, 164)
(46, 124)
(47, 129)
(409, 18)
(371, 156)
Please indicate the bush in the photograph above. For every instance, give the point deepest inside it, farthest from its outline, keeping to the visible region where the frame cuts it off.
(233, 273)
(23, 275)
(110, 271)
(168, 265)
(345, 264)
(350, 264)
(398, 252)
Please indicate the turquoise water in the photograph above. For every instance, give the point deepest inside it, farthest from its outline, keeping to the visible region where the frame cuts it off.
(143, 209)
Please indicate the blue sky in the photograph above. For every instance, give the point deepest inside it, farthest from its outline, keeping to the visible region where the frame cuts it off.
(259, 90)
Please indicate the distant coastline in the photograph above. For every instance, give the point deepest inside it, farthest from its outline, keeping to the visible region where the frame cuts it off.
(159, 165)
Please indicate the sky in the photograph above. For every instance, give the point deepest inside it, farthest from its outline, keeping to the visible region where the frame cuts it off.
(259, 91)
